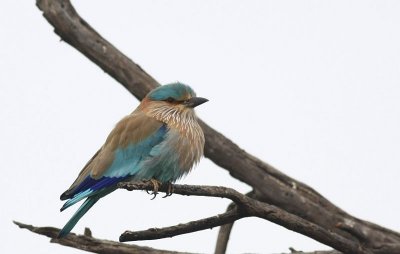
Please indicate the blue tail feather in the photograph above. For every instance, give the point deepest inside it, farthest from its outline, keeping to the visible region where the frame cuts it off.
(78, 197)
(89, 202)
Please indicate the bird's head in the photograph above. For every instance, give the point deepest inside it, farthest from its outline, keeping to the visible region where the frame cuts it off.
(170, 100)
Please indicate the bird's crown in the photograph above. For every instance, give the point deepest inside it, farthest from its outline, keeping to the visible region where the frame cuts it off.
(172, 92)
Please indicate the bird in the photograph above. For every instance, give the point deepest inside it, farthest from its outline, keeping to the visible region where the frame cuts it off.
(160, 141)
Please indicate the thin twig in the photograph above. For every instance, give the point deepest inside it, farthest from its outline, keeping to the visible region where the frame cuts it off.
(193, 226)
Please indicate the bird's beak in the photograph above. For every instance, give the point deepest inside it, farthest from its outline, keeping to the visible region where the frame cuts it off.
(195, 101)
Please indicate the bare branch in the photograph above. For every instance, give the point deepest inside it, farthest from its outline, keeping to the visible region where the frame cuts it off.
(225, 230)
(79, 34)
(88, 243)
(193, 226)
(224, 234)
(246, 207)
(91, 244)
(223, 238)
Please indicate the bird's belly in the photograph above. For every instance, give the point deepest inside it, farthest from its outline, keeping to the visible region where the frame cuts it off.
(171, 160)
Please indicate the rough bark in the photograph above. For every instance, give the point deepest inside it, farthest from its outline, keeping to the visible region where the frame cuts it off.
(270, 185)
(245, 207)
(91, 244)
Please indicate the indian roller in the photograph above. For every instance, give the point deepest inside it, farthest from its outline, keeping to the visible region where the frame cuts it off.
(159, 141)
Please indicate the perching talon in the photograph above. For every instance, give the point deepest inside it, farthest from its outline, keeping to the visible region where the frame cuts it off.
(156, 187)
(170, 190)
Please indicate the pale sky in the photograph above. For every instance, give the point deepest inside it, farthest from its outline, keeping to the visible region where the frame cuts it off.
(311, 87)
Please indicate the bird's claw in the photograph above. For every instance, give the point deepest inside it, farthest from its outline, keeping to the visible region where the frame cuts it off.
(170, 190)
(156, 187)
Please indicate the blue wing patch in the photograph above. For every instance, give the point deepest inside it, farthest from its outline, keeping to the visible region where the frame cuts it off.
(125, 165)
(90, 187)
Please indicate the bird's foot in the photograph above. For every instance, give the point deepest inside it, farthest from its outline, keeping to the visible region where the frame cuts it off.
(156, 187)
(170, 190)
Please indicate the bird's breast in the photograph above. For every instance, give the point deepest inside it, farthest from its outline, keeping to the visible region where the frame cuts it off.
(188, 144)
(184, 142)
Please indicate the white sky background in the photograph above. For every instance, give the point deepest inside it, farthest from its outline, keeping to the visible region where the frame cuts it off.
(311, 87)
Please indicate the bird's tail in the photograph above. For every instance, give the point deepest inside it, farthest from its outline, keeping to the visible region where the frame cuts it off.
(89, 202)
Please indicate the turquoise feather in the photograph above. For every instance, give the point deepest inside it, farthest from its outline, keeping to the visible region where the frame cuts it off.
(77, 216)
(177, 91)
(128, 160)
(126, 163)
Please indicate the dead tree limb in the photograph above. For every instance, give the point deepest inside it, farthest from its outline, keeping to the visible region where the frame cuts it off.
(223, 238)
(182, 228)
(225, 230)
(224, 234)
(270, 185)
(91, 244)
(246, 207)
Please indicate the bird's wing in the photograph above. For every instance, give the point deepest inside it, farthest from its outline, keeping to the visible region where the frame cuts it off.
(130, 142)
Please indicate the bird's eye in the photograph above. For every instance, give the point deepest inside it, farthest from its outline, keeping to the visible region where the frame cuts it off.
(170, 99)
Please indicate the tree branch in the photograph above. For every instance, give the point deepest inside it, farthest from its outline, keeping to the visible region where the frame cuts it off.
(271, 185)
(78, 33)
(225, 230)
(91, 244)
(246, 207)
(224, 234)
(223, 238)
(193, 226)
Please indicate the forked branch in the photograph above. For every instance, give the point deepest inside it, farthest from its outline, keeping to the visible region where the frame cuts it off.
(89, 243)
(246, 207)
